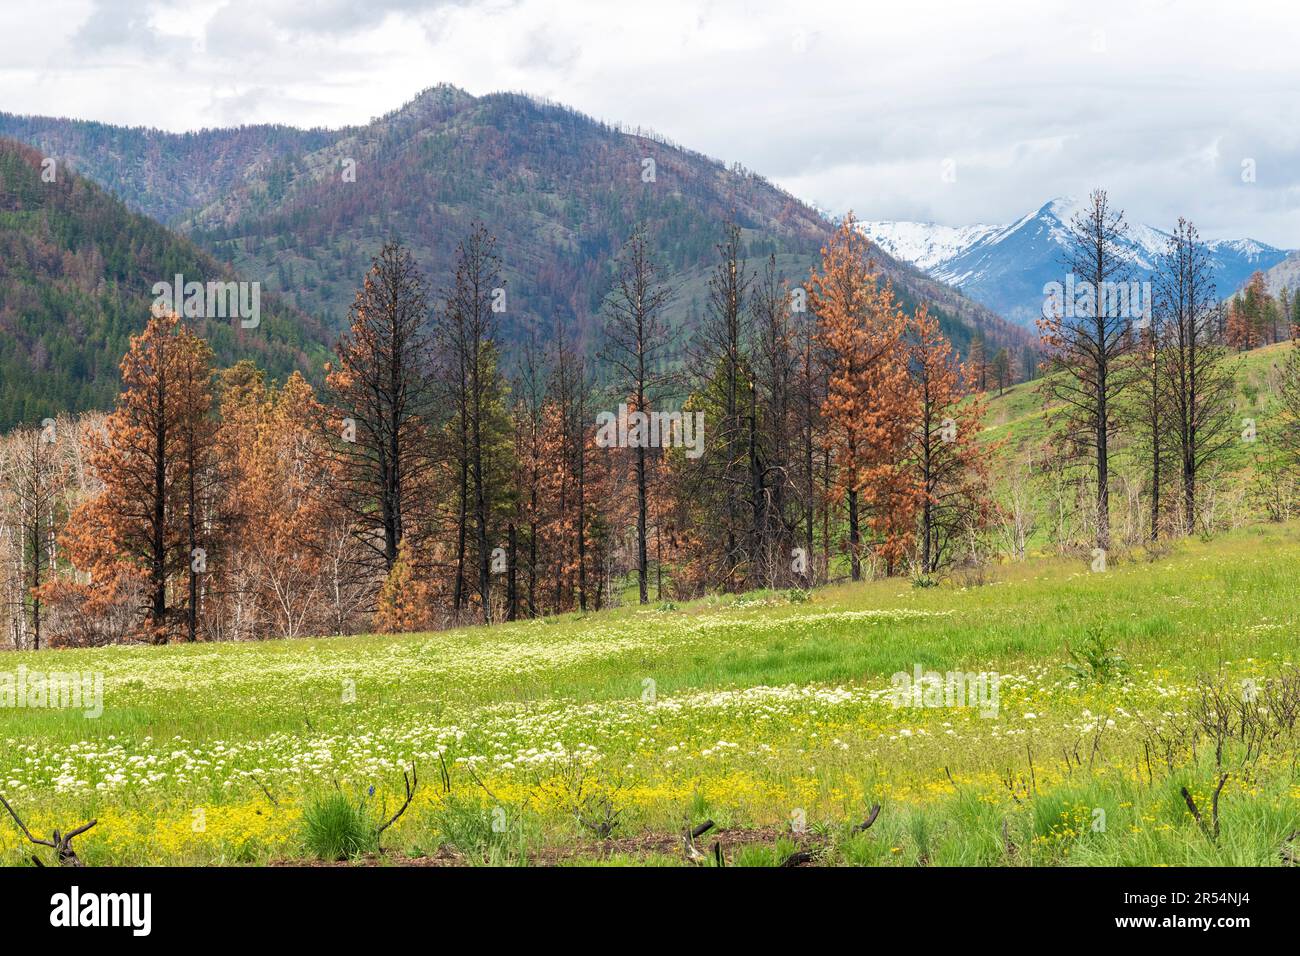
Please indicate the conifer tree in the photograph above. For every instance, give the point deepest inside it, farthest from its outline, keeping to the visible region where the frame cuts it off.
(860, 331)
(138, 526)
(380, 391)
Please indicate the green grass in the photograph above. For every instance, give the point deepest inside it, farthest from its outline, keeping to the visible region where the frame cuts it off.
(737, 710)
(1019, 420)
(338, 828)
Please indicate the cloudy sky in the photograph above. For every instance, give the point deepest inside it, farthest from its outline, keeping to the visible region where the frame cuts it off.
(1188, 108)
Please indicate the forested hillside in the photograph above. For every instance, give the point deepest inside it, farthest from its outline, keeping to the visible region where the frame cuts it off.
(76, 276)
(164, 175)
(560, 191)
(303, 211)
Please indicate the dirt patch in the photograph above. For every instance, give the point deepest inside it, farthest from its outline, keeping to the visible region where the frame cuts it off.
(643, 846)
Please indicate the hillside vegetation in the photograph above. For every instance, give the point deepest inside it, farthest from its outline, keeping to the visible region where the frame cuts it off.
(304, 211)
(77, 271)
(1018, 419)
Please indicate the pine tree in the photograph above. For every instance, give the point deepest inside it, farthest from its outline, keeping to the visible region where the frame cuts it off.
(774, 397)
(1198, 382)
(947, 462)
(273, 573)
(471, 378)
(1243, 326)
(1002, 370)
(380, 393)
(1087, 341)
(402, 604)
(1150, 412)
(860, 330)
(723, 476)
(978, 360)
(636, 343)
(196, 445)
(136, 528)
(35, 481)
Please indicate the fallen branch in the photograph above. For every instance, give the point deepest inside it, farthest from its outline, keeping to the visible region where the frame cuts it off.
(865, 825)
(61, 843)
(1214, 806)
(482, 786)
(689, 838)
(1210, 831)
(269, 795)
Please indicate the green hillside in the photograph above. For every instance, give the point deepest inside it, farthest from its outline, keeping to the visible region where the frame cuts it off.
(1018, 419)
(77, 270)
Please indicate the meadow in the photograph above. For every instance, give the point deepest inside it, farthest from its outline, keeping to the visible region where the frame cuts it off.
(603, 738)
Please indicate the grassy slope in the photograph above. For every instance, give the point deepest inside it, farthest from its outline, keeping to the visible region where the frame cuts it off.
(1019, 419)
(1018, 416)
(761, 709)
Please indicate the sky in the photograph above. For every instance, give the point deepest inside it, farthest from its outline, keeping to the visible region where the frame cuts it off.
(953, 112)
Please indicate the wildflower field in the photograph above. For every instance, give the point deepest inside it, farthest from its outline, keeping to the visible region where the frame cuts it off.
(604, 738)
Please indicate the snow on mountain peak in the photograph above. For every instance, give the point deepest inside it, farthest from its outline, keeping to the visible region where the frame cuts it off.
(924, 244)
(1005, 267)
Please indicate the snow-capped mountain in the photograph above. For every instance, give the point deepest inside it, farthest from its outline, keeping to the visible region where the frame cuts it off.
(1006, 267)
(926, 245)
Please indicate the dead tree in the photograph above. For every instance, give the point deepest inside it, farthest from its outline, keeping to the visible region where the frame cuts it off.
(636, 338)
(1088, 335)
(1199, 381)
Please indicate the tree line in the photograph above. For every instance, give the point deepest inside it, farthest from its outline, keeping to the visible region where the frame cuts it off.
(433, 480)
(1144, 365)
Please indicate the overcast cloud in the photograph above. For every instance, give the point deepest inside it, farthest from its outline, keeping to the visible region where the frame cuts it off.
(848, 105)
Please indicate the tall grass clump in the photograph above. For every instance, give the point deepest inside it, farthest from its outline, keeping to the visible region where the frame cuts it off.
(336, 828)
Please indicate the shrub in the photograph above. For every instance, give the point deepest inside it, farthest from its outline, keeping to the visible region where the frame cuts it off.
(1096, 662)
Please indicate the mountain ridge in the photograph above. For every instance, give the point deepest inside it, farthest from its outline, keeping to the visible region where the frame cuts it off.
(1005, 267)
(559, 189)
(77, 271)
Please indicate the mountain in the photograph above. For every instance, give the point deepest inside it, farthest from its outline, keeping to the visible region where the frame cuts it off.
(1283, 275)
(77, 271)
(560, 190)
(1006, 267)
(165, 175)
